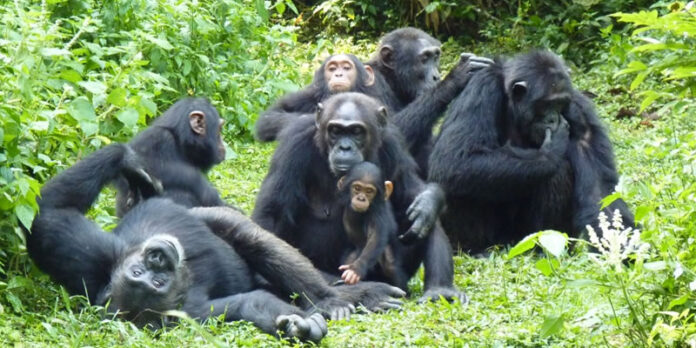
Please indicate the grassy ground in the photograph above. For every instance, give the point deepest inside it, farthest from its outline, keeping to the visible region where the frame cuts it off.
(512, 302)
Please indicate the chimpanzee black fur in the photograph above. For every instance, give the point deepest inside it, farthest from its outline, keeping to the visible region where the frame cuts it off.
(298, 200)
(177, 149)
(305, 101)
(407, 80)
(163, 256)
(521, 151)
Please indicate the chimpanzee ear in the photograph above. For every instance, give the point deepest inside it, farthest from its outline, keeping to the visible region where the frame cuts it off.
(388, 189)
(386, 55)
(341, 183)
(519, 89)
(382, 115)
(197, 122)
(370, 78)
(320, 109)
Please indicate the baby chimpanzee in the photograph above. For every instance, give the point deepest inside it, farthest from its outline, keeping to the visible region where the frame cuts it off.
(370, 225)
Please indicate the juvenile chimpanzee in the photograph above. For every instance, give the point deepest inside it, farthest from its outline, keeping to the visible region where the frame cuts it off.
(177, 149)
(338, 73)
(520, 151)
(298, 200)
(369, 222)
(162, 256)
(407, 79)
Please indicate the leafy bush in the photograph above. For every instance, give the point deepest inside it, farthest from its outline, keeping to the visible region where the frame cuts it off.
(75, 75)
(665, 53)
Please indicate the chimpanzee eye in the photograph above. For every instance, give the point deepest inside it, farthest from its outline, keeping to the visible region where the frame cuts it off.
(357, 130)
(137, 272)
(158, 283)
(333, 130)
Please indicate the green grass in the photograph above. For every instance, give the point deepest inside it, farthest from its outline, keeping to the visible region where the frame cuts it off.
(512, 302)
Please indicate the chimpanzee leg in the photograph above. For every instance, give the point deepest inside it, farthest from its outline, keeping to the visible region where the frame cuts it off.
(439, 268)
(266, 311)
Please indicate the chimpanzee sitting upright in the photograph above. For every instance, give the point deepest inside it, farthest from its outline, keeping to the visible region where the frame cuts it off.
(338, 73)
(177, 149)
(298, 200)
(520, 151)
(407, 80)
(162, 256)
(369, 222)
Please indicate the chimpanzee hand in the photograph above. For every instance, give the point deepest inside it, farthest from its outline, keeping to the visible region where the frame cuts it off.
(312, 328)
(448, 293)
(556, 141)
(372, 296)
(351, 273)
(334, 308)
(468, 63)
(424, 212)
(140, 183)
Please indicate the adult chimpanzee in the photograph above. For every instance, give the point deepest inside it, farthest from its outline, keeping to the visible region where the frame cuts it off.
(177, 149)
(338, 73)
(162, 256)
(407, 80)
(520, 151)
(298, 200)
(369, 223)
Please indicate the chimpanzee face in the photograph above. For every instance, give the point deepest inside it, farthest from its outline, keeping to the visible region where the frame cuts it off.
(349, 130)
(340, 74)
(539, 109)
(149, 280)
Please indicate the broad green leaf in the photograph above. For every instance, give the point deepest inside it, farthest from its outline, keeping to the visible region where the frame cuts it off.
(638, 79)
(160, 42)
(678, 302)
(650, 97)
(94, 87)
(525, 244)
(81, 109)
(655, 266)
(128, 116)
(117, 97)
(25, 214)
(641, 212)
(50, 52)
(609, 199)
(70, 75)
(581, 283)
(544, 266)
(261, 9)
(551, 326)
(554, 242)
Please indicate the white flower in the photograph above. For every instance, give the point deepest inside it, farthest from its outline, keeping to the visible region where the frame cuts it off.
(678, 270)
(692, 286)
(617, 242)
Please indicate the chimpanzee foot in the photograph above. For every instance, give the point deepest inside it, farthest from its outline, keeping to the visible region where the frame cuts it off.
(312, 328)
(448, 293)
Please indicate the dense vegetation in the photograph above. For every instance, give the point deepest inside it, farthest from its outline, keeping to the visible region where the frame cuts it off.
(78, 74)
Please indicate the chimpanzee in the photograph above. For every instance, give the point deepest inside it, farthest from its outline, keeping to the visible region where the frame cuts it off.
(163, 256)
(298, 200)
(177, 149)
(520, 151)
(338, 73)
(369, 223)
(407, 80)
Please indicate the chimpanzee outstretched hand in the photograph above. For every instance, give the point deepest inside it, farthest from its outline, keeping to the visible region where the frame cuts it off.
(424, 212)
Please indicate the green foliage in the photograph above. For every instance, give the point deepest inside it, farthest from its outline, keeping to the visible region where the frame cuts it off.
(664, 52)
(75, 75)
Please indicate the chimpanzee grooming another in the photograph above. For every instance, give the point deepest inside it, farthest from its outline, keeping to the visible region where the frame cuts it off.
(338, 73)
(298, 200)
(162, 257)
(521, 151)
(407, 80)
(369, 222)
(177, 149)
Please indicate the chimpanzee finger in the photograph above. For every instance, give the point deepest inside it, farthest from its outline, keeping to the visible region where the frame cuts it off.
(465, 56)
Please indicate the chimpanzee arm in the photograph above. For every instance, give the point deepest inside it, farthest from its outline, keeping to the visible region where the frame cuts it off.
(290, 107)
(185, 183)
(262, 308)
(279, 199)
(283, 266)
(417, 119)
(62, 242)
(468, 158)
(592, 159)
(377, 238)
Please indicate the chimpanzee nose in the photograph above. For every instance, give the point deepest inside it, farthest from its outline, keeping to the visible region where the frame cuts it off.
(344, 147)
